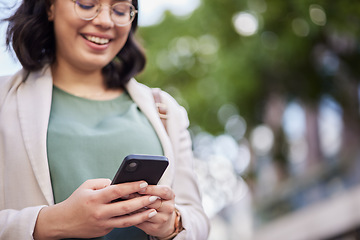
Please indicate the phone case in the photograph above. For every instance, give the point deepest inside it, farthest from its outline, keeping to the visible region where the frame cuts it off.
(134, 167)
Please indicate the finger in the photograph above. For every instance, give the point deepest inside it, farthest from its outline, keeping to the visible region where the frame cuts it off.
(113, 192)
(131, 196)
(167, 207)
(128, 206)
(157, 205)
(163, 192)
(133, 219)
(147, 225)
(161, 218)
(141, 210)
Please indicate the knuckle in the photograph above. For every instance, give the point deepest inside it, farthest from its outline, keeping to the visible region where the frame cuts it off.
(162, 219)
(144, 217)
(91, 199)
(126, 208)
(117, 192)
(127, 224)
(166, 191)
(97, 216)
(170, 208)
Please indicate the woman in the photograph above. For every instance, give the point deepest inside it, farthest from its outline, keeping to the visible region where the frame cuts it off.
(69, 117)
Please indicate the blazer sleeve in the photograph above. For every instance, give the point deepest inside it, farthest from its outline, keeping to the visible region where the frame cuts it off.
(18, 224)
(188, 198)
(14, 224)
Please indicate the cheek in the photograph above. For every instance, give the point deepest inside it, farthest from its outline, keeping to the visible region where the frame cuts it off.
(122, 37)
(123, 33)
(63, 35)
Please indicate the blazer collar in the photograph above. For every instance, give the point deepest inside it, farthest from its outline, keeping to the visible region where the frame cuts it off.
(34, 102)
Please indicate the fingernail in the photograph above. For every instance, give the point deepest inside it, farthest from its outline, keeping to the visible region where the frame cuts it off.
(153, 213)
(144, 185)
(153, 198)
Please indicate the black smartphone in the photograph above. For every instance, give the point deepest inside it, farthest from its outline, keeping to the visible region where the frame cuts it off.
(135, 167)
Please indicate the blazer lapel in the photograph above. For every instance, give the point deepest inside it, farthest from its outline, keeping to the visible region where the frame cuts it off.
(34, 102)
(143, 97)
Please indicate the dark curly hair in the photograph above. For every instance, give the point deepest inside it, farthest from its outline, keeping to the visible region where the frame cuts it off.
(32, 37)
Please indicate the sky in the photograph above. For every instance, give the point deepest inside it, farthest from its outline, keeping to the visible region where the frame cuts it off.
(151, 12)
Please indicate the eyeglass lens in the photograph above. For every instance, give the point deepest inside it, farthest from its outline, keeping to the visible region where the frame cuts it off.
(122, 13)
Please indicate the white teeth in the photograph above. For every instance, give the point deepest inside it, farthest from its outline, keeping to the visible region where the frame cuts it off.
(97, 40)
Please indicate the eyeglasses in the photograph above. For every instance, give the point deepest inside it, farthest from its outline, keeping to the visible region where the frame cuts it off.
(122, 13)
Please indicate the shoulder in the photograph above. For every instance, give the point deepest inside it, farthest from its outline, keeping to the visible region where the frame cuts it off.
(10, 80)
(177, 117)
(146, 92)
(7, 83)
(176, 112)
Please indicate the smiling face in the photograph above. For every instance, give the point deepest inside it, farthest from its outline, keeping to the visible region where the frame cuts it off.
(85, 45)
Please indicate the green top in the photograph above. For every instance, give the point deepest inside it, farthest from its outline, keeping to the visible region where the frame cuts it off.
(88, 139)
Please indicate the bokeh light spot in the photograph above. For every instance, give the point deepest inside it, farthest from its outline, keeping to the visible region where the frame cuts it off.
(246, 24)
(317, 15)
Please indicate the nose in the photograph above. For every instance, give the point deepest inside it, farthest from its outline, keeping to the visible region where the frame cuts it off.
(103, 18)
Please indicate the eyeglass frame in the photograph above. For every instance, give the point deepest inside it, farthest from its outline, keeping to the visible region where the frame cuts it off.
(98, 10)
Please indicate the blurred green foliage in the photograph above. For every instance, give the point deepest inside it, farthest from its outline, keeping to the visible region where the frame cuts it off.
(303, 50)
(204, 63)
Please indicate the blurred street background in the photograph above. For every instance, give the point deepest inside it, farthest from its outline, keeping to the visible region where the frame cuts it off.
(272, 91)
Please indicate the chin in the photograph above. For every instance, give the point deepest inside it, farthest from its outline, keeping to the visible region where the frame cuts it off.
(96, 64)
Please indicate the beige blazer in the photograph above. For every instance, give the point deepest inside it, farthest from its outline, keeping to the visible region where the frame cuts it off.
(25, 185)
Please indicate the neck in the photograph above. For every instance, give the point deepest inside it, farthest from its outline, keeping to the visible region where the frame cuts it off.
(86, 84)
